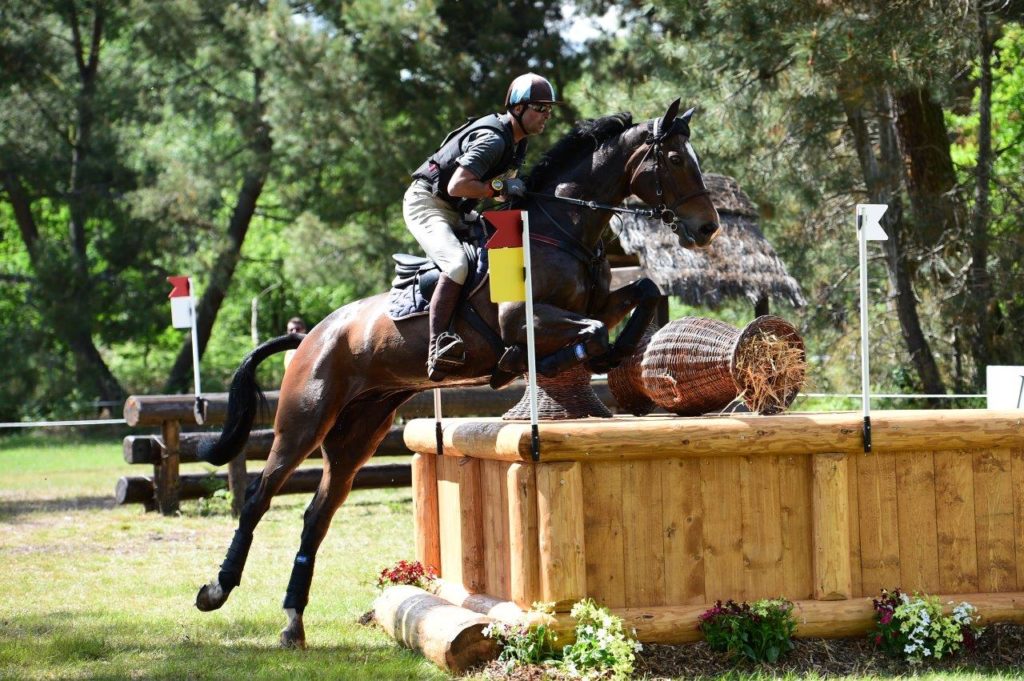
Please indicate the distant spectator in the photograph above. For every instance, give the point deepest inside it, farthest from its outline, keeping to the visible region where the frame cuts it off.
(295, 325)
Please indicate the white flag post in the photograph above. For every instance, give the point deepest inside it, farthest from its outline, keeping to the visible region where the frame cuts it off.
(868, 229)
(531, 351)
(183, 316)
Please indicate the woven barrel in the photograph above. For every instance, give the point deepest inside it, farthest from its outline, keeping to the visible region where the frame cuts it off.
(566, 396)
(689, 367)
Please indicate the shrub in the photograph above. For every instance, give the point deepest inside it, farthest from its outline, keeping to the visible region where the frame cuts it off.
(761, 632)
(406, 572)
(602, 649)
(916, 629)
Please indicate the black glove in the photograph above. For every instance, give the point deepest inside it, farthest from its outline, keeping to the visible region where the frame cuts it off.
(515, 187)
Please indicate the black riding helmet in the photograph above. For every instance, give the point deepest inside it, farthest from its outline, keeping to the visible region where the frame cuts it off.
(529, 88)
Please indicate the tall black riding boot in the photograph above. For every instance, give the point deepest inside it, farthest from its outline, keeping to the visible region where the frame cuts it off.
(447, 351)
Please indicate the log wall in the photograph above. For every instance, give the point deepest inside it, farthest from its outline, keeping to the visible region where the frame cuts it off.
(642, 517)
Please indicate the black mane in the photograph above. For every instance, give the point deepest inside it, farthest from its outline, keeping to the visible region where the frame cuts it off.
(585, 138)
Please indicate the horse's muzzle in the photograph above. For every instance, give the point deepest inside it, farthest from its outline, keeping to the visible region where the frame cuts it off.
(694, 236)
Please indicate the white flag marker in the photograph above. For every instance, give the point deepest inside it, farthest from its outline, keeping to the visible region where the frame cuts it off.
(183, 316)
(868, 229)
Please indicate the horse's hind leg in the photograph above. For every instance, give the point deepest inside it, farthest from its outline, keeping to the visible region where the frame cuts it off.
(350, 443)
(290, 448)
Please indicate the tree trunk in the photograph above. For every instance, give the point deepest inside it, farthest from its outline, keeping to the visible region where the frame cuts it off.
(930, 177)
(223, 270)
(978, 294)
(882, 182)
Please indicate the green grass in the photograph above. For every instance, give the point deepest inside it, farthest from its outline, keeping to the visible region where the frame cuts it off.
(94, 591)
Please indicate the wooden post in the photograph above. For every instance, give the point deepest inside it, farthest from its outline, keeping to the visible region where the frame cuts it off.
(524, 553)
(238, 480)
(165, 473)
(830, 507)
(563, 566)
(424, 504)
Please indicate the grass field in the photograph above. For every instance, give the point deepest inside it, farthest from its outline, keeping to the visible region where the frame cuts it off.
(93, 591)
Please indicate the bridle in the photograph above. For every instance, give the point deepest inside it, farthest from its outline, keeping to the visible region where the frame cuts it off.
(669, 215)
(656, 136)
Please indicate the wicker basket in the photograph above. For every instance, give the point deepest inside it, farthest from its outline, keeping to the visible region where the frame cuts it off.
(690, 367)
(566, 396)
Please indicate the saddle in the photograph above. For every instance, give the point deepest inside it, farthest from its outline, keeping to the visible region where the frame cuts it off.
(414, 283)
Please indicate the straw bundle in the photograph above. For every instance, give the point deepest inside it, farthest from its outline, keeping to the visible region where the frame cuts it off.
(696, 365)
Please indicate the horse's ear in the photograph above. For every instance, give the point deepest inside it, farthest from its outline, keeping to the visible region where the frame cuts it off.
(686, 116)
(670, 116)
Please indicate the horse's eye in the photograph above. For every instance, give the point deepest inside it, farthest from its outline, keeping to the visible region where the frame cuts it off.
(675, 159)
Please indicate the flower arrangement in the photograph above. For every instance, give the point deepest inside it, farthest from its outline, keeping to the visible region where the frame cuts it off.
(602, 649)
(406, 572)
(762, 631)
(915, 628)
(522, 644)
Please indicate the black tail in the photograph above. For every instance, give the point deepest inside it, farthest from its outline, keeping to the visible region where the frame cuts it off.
(243, 401)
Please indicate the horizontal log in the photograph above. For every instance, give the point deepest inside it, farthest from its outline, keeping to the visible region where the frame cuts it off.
(678, 624)
(147, 448)
(449, 636)
(653, 437)
(139, 489)
(152, 410)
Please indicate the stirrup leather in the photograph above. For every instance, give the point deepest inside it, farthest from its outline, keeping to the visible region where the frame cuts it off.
(447, 353)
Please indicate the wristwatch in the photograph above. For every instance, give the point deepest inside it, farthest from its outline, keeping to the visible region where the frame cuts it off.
(497, 186)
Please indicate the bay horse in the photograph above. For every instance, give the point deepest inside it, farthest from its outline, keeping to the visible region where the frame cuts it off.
(357, 366)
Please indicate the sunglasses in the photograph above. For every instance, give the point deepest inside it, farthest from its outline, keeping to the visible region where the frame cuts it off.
(540, 108)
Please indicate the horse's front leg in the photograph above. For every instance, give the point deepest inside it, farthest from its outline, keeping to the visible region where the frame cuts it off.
(563, 338)
(641, 297)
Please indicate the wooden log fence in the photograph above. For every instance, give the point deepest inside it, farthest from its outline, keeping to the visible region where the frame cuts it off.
(173, 446)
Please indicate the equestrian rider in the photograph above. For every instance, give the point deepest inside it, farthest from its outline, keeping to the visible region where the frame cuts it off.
(478, 161)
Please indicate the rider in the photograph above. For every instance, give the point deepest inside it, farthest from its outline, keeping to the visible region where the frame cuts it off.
(477, 161)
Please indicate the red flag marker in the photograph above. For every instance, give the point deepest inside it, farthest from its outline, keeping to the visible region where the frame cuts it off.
(179, 287)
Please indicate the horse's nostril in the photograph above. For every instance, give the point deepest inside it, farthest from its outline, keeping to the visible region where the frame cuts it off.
(708, 228)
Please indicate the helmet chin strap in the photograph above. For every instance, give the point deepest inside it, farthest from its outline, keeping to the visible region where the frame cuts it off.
(518, 116)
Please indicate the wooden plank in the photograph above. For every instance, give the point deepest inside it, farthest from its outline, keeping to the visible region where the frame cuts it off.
(424, 505)
(449, 517)
(954, 518)
(560, 511)
(761, 508)
(470, 505)
(643, 535)
(524, 550)
(831, 527)
(879, 526)
(797, 546)
(602, 527)
(856, 579)
(919, 548)
(684, 532)
(494, 497)
(723, 528)
(1017, 468)
(993, 508)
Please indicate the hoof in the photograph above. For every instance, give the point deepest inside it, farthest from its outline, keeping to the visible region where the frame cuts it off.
(294, 636)
(211, 597)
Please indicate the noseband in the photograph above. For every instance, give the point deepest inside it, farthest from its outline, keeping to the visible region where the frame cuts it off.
(655, 138)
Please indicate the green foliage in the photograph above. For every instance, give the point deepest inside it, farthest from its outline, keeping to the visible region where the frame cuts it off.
(522, 644)
(602, 649)
(761, 632)
(916, 629)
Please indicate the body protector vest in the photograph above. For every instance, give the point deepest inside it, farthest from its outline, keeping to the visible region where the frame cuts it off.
(439, 168)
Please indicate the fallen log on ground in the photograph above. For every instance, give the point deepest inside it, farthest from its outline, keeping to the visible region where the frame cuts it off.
(449, 636)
